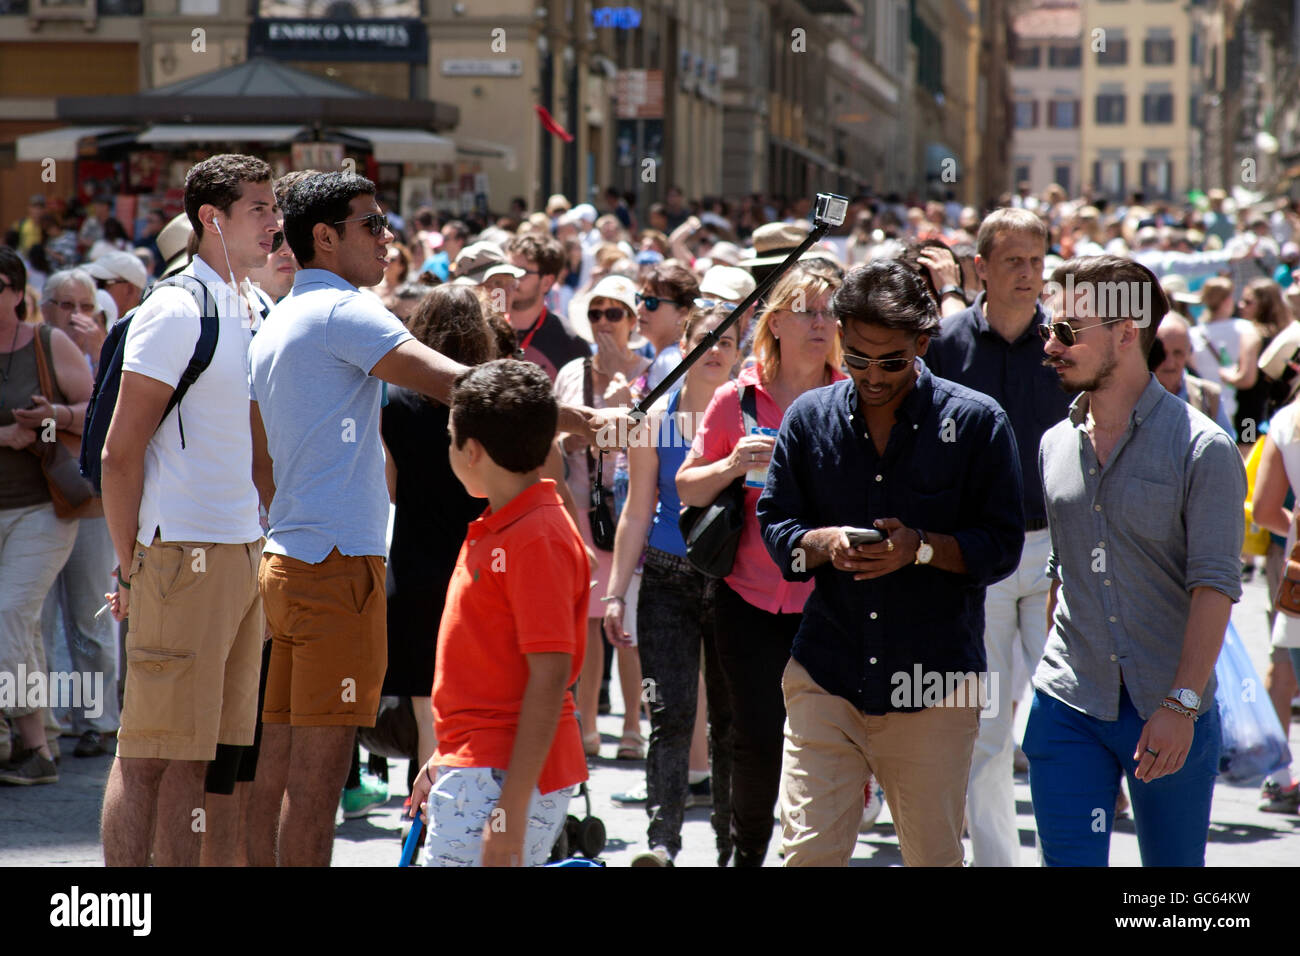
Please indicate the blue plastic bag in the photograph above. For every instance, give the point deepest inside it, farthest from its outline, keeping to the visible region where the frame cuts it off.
(1254, 743)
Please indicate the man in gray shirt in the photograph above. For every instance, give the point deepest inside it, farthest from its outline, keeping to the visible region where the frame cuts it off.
(1143, 499)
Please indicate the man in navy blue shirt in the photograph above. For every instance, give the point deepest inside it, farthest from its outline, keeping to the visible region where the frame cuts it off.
(994, 348)
(883, 679)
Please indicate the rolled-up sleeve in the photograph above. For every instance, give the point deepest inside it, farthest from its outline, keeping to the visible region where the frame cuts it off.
(782, 506)
(992, 542)
(1216, 522)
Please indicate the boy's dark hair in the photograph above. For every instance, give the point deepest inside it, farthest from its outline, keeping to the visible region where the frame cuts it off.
(323, 197)
(219, 181)
(886, 293)
(15, 273)
(544, 251)
(450, 320)
(1108, 276)
(509, 407)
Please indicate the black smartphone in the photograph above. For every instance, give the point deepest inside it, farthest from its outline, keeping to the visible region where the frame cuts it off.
(859, 536)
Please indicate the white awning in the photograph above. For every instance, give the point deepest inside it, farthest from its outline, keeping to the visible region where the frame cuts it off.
(230, 133)
(404, 145)
(56, 143)
(481, 148)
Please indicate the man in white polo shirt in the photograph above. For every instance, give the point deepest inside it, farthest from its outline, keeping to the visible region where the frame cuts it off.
(182, 510)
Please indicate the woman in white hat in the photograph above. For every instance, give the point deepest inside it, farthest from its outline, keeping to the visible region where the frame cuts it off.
(608, 379)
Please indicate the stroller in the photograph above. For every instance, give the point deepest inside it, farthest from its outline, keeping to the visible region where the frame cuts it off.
(585, 836)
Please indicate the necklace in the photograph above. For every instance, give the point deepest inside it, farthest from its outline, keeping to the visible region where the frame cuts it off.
(10, 364)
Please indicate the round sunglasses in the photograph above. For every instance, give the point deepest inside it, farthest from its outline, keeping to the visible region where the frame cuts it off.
(1066, 334)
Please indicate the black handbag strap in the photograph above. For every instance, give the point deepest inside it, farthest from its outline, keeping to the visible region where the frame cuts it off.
(748, 408)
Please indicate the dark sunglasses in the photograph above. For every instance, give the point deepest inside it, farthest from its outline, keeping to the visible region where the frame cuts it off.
(861, 363)
(376, 222)
(106, 284)
(652, 302)
(277, 241)
(607, 315)
(1066, 334)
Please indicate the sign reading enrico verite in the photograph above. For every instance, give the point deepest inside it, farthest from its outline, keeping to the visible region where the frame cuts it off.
(363, 40)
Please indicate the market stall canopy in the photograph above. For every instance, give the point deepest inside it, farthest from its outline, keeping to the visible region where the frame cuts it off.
(481, 148)
(205, 133)
(57, 144)
(259, 90)
(404, 145)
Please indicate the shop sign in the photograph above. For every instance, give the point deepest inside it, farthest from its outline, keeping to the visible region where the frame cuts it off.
(342, 40)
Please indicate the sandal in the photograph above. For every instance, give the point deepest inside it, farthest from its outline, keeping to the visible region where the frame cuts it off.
(631, 747)
(591, 743)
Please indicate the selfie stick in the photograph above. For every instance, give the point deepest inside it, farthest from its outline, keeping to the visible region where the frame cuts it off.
(829, 211)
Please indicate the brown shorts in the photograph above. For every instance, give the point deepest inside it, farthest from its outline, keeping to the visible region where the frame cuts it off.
(193, 650)
(329, 632)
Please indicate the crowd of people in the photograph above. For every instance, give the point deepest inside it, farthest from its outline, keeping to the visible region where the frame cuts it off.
(933, 425)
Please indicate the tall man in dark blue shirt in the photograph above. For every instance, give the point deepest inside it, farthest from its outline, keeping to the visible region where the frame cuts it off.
(883, 676)
(994, 348)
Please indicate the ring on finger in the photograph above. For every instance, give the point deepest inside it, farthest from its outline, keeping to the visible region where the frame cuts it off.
(889, 545)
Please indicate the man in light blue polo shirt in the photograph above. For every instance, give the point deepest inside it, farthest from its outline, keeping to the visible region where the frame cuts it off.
(315, 372)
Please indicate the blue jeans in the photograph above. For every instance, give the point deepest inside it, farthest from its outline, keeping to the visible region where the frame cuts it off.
(1075, 763)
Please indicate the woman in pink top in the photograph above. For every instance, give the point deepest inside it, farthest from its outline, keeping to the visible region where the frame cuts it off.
(797, 347)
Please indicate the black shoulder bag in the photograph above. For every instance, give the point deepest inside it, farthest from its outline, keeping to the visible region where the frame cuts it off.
(712, 533)
(601, 514)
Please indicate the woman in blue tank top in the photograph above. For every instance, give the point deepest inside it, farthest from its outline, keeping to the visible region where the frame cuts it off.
(675, 607)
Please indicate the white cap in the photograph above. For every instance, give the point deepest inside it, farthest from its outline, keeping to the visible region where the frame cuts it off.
(119, 265)
(727, 283)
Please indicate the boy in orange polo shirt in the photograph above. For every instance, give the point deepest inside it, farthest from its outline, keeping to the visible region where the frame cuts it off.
(512, 636)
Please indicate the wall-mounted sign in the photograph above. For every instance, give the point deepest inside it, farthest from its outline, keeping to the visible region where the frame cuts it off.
(640, 94)
(341, 40)
(618, 18)
(483, 66)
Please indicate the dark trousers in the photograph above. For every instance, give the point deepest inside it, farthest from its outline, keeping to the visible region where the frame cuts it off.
(753, 648)
(674, 622)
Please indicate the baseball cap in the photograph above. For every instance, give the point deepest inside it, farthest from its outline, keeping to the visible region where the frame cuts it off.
(726, 284)
(479, 262)
(119, 265)
(618, 288)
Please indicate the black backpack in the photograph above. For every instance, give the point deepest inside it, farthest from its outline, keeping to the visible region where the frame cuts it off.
(99, 412)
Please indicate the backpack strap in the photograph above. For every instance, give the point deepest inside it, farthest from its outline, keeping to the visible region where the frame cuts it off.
(204, 348)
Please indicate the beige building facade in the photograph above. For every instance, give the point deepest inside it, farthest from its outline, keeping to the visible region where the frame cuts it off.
(1136, 91)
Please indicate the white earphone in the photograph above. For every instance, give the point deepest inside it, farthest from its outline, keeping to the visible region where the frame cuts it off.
(216, 224)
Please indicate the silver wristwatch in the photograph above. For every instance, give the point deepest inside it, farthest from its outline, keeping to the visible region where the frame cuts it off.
(1187, 697)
